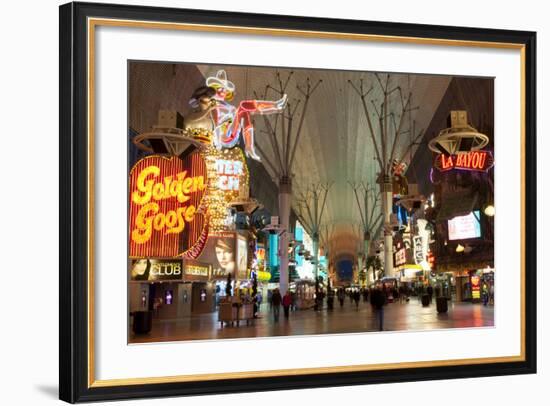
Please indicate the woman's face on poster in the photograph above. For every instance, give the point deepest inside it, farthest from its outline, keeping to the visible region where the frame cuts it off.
(225, 257)
(139, 267)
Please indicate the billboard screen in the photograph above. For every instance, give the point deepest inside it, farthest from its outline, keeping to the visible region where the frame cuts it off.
(465, 227)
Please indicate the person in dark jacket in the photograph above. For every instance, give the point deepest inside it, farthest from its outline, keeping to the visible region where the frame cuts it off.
(287, 301)
(365, 295)
(430, 292)
(276, 301)
(341, 296)
(378, 300)
(330, 299)
(356, 298)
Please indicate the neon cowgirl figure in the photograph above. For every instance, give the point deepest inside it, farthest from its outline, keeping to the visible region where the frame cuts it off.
(231, 121)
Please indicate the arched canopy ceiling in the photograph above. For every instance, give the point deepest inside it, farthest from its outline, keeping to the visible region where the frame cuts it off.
(335, 144)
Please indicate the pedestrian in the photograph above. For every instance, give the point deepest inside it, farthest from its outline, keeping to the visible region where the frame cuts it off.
(259, 300)
(356, 298)
(378, 300)
(395, 293)
(330, 300)
(276, 300)
(485, 294)
(269, 299)
(430, 292)
(287, 301)
(341, 296)
(365, 294)
(401, 294)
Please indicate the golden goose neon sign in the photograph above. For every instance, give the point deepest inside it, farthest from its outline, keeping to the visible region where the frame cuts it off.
(165, 194)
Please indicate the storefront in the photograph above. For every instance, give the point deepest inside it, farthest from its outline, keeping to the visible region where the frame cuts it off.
(157, 285)
(170, 288)
(203, 295)
(304, 294)
(469, 282)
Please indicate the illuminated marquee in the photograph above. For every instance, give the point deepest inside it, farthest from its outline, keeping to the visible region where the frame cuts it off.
(228, 180)
(480, 161)
(165, 195)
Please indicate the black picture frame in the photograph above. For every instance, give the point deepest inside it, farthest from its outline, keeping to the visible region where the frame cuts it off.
(74, 379)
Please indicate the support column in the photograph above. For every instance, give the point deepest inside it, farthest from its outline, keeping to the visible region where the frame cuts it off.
(359, 266)
(316, 256)
(366, 244)
(285, 196)
(387, 200)
(315, 243)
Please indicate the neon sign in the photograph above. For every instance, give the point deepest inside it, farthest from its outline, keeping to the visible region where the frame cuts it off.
(480, 161)
(165, 195)
(229, 172)
(400, 257)
(228, 180)
(231, 121)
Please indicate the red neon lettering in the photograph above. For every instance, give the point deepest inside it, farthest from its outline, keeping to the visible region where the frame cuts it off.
(475, 160)
(446, 162)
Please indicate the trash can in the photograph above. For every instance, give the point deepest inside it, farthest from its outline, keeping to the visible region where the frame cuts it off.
(143, 321)
(425, 300)
(441, 303)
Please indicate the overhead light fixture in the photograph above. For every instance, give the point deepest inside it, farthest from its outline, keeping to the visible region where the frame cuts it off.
(489, 210)
(459, 248)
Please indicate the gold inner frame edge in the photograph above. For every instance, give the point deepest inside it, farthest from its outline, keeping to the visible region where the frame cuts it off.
(94, 22)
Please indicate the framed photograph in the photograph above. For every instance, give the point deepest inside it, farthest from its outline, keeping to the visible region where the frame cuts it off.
(258, 202)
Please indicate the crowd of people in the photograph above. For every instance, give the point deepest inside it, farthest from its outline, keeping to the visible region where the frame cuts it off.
(377, 297)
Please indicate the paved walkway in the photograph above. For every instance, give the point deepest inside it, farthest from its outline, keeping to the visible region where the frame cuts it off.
(348, 319)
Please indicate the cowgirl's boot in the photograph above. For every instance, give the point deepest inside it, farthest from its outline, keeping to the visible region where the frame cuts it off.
(249, 144)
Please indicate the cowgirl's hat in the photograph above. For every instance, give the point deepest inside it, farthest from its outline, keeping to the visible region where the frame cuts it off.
(220, 80)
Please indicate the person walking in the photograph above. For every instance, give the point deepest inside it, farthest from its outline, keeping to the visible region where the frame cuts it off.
(430, 292)
(341, 296)
(330, 299)
(485, 294)
(287, 301)
(356, 298)
(365, 295)
(401, 294)
(269, 299)
(276, 300)
(259, 298)
(378, 300)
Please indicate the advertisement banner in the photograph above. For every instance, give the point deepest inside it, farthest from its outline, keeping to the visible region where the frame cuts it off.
(220, 253)
(196, 271)
(148, 269)
(242, 258)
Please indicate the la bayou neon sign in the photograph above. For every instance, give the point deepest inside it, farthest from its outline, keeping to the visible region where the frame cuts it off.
(165, 194)
(480, 161)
